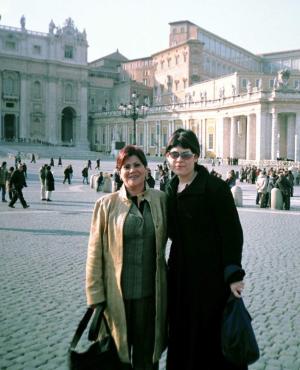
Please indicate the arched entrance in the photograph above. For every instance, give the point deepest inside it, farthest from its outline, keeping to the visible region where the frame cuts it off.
(9, 127)
(67, 125)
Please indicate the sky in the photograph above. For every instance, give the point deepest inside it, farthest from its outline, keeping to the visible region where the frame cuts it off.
(139, 28)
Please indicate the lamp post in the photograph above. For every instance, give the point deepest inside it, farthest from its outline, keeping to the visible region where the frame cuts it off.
(133, 111)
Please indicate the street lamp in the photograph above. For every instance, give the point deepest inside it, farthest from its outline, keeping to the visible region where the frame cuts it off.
(133, 111)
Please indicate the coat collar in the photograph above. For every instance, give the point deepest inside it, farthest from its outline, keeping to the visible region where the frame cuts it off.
(144, 196)
(196, 187)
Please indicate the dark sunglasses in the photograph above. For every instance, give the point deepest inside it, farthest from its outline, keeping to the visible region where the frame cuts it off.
(182, 155)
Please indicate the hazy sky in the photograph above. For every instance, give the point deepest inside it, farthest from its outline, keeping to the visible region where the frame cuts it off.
(139, 28)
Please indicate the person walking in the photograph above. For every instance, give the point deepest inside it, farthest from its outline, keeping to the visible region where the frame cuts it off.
(17, 182)
(42, 176)
(204, 265)
(89, 164)
(67, 175)
(33, 158)
(97, 164)
(59, 161)
(8, 184)
(3, 180)
(126, 267)
(51, 162)
(85, 175)
(49, 183)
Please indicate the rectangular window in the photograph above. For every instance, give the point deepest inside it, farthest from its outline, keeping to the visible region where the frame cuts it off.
(36, 49)
(257, 83)
(210, 141)
(152, 139)
(164, 139)
(271, 83)
(10, 45)
(69, 51)
(244, 83)
(141, 139)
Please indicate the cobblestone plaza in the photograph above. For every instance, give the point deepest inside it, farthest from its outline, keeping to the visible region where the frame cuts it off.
(42, 271)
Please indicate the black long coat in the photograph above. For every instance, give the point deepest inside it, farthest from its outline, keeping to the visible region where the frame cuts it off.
(49, 181)
(206, 238)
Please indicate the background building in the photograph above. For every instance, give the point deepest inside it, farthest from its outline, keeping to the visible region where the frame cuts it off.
(240, 105)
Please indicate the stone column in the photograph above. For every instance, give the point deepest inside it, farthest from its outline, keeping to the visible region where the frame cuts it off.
(203, 137)
(275, 136)
(291, 136)
(24, 105)
(219, 137)
(251, 137)
(297, 137)
(226, 137)
(51, 117)
(233, 137)
(81, 139)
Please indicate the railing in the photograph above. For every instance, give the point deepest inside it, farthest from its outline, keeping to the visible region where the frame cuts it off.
(16, 29)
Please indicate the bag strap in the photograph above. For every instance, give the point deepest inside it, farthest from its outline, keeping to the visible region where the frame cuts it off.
(95, 326)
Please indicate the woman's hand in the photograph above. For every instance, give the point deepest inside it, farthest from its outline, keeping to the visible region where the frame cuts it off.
(237, 288)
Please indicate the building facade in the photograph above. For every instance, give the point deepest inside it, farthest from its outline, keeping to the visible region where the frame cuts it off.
(44, 85)
(239, 104)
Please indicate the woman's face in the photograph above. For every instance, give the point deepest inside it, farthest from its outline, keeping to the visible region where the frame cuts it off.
(133, 173)
(182, 161)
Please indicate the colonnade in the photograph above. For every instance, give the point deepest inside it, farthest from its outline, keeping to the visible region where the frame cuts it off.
(255, 136)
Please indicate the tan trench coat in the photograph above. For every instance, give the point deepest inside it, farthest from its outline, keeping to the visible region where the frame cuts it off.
(104, 264)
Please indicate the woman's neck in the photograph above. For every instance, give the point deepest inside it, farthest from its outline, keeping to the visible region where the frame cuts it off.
(133, 192)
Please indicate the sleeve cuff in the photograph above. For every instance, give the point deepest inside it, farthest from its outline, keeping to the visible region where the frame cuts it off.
(233, 273)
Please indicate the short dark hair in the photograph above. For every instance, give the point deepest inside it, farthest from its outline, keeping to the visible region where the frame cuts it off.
(129, 151)
(186, 139)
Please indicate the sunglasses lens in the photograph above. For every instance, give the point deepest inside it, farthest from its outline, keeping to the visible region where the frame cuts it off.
(186, 155)
(183, 155)
(174, 155)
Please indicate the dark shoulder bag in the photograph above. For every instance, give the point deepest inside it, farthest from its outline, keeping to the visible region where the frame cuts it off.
(238, 340)
(102, 354)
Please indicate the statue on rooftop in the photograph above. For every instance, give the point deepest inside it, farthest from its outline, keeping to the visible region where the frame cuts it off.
(22, 22)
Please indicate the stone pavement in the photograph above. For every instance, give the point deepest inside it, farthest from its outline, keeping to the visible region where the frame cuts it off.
(42, 271)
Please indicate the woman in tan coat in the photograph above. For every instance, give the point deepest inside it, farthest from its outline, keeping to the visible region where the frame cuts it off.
(126, 265)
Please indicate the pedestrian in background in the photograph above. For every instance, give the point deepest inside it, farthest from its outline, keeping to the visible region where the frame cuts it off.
(97, 164)
(51, 162)
(85, 175)
(8, 184)
(67, 174)
(150, 179)
(126, 267)
(100, 181)
(32, 158)
(42, 175)
(49, 183)
(284, 186)
(204, 265)
(24, 169)
(17, 183)
(89, 164)
(3, 180)
(59, 161)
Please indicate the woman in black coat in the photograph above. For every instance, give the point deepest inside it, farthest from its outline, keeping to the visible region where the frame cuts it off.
(205, 258)
(49, 183)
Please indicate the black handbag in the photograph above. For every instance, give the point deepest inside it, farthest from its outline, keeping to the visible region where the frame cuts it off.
(238, 340)
(102, 354)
